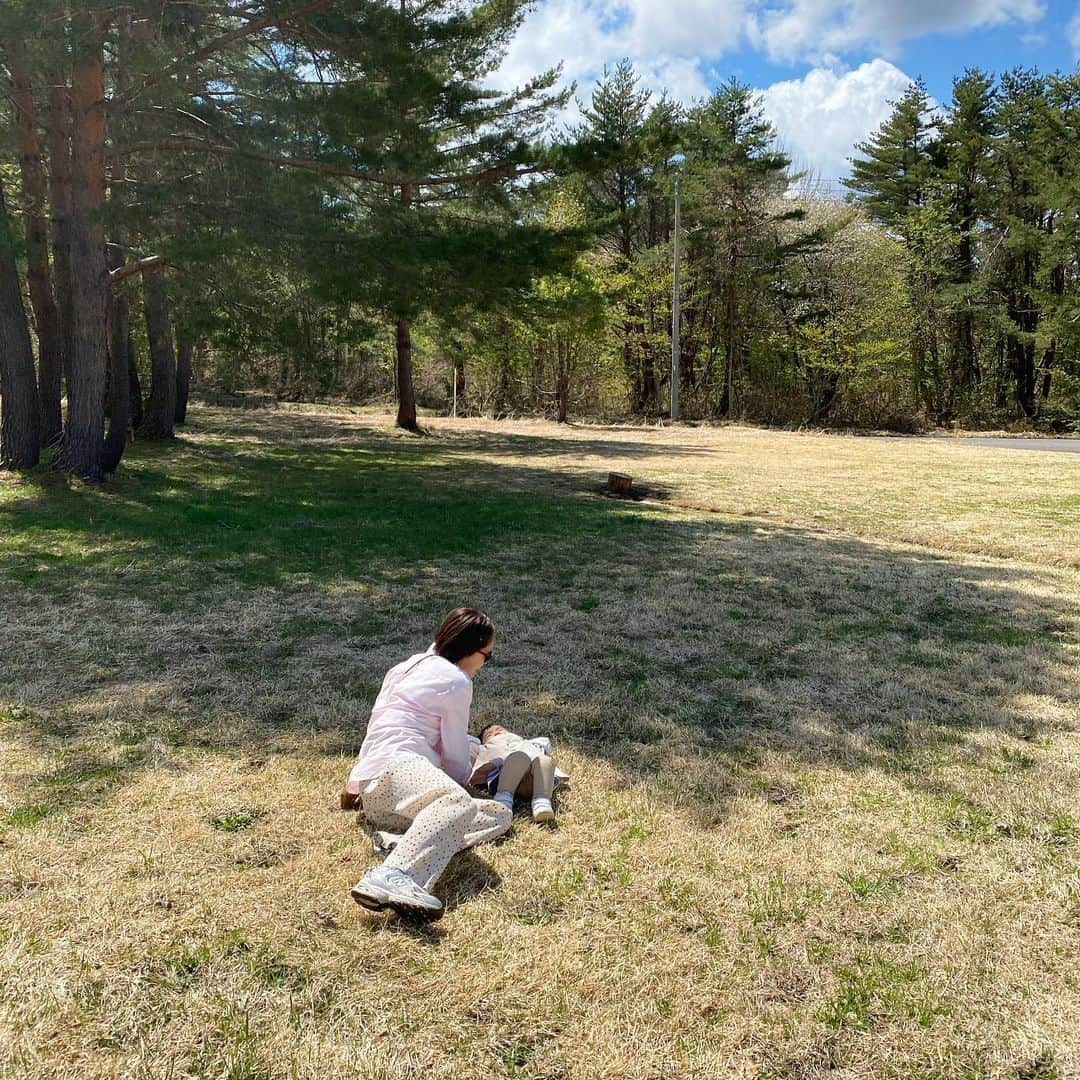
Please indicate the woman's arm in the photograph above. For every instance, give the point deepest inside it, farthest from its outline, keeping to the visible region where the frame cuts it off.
(454, 730)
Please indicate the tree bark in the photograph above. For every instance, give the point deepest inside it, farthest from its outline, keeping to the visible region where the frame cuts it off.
(20, 419)
(134, 383)
(1022, 365)
(406, 414)
(119, 373)
(84, 435)
(58, 139)
(39, 279)
(184, 353)
(562, 381)
(160, 412)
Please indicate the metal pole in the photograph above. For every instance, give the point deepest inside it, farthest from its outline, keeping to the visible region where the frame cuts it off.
(675, 319)
(454, 412)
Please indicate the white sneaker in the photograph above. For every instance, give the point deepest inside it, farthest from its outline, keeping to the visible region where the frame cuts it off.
(386, 886)
(542, 810)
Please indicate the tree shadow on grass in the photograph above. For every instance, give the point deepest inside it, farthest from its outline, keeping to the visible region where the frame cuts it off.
(573, 440)
(222, 601)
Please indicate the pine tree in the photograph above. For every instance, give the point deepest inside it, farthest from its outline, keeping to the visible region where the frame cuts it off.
(1022, 218)
(966, 140)
(736, 178)
(432, 160)
(896, 182)
(623, 147)
(893, 172)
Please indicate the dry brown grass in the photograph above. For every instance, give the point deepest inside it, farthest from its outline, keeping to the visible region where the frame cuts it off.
(824, 817)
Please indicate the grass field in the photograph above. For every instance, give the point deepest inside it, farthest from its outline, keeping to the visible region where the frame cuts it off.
(819, 697)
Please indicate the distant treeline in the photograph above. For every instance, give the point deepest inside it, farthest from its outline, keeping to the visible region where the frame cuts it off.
(320, 199)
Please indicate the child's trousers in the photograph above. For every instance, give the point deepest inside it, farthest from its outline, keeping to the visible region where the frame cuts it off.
(437, 816)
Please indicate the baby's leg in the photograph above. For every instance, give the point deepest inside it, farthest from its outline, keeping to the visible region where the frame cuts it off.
(543, 777)
(514, 769)
(543, 784)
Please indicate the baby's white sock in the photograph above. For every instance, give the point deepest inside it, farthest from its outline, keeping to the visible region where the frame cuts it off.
(505, 798)
(542, 810)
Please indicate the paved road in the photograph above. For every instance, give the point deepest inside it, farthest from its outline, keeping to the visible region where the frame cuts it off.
(1066, 446)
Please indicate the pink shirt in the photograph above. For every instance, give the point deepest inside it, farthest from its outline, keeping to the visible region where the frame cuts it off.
(422, 708)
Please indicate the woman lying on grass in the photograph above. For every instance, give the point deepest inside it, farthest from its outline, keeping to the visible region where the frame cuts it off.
(412, 765)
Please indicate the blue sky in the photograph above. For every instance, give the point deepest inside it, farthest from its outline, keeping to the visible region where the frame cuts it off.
(826, 68)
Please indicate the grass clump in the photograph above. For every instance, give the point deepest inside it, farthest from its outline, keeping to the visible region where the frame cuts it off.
(236, 819)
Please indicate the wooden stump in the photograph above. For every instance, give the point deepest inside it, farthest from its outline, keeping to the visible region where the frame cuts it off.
(619, 483)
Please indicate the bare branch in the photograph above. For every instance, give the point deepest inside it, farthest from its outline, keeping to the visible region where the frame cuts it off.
(142, 266)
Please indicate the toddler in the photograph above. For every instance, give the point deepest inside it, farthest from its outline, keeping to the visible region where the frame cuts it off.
(508, 765)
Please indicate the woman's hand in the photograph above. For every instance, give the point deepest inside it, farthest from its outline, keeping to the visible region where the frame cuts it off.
(481, 773)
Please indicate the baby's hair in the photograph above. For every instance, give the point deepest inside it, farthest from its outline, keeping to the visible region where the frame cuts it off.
(486, 727)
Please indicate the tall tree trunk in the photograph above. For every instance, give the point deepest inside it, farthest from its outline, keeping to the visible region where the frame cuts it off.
(1022, 366)
(39, 279)
(1048, 359)
(406, 414)
(650, 391)
(632, 356)
(461, 382)
(160, 412)
(58, 138)
(20, 419)
(563, 366)
(119, 374)
(184, 352)
(84, 434)
(134, 383)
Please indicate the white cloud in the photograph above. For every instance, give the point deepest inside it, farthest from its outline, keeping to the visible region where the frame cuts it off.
(676, 47)
(671, 44)
(688, 28)
(1073, 32)
(820, 117)
(802, 29)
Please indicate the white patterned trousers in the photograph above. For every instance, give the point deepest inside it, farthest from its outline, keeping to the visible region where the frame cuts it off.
(437, 816)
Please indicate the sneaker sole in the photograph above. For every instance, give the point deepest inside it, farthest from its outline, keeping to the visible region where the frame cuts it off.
(402, 907)
(365, 900)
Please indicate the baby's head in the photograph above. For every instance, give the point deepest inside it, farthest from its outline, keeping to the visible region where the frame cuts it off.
(489, 731)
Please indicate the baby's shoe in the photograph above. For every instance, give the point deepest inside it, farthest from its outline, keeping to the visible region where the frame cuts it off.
(542, 810)
(505, 798)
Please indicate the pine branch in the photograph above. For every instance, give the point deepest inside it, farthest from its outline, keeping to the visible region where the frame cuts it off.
(495, 172)
(222, 42)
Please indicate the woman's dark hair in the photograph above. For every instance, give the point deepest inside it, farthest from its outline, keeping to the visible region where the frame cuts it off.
(463, 632)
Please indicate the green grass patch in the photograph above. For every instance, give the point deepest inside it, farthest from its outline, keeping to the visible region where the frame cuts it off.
(236, 819)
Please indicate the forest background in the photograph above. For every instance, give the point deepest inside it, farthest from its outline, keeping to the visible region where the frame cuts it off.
(324, 200)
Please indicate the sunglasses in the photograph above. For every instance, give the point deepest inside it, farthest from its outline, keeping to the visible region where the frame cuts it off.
(486, 655)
